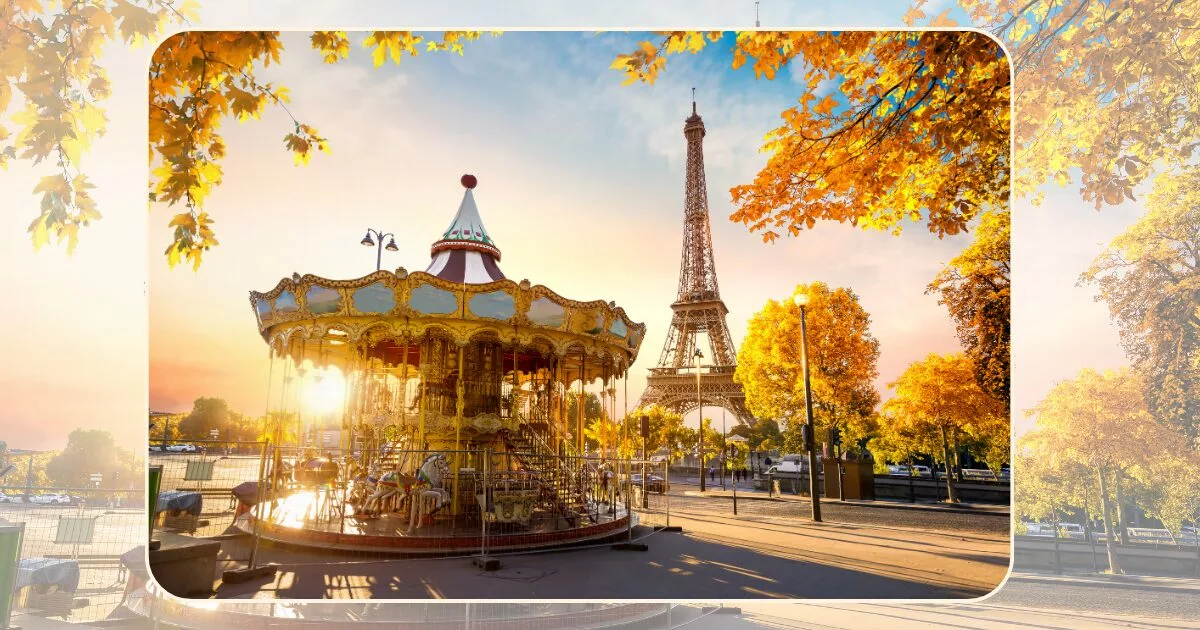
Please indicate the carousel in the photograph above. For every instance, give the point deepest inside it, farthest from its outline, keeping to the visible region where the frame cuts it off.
(454, 406)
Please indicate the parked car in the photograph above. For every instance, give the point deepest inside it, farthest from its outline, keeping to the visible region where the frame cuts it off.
(51, 499)
(654, 483)
(921, 471)
(899, 469)
(4, 498)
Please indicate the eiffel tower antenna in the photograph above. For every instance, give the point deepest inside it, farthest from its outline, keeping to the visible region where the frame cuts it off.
(698, 308)
(756, 24)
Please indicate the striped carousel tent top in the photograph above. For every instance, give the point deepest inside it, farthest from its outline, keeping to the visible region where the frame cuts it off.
(466, 253)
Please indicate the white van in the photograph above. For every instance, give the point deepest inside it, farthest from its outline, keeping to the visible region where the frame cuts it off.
(786, 468)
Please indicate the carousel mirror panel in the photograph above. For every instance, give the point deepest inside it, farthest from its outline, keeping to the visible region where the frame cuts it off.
(618, 327)
(494, 305)
(545, 312)
(374, 298)
(323, 300)
(432, 300)
(263, 308)
(286, 303)
(597, 324)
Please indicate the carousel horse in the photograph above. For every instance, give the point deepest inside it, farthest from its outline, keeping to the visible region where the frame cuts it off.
(387, 493)
(426, 501)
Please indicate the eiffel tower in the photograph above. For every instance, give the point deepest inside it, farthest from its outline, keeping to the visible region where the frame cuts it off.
(698, 308)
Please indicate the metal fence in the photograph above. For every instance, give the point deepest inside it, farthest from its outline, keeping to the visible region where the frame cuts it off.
(71, 564)
(198, 482)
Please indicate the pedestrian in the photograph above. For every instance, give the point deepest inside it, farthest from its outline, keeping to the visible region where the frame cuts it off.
(712, 474)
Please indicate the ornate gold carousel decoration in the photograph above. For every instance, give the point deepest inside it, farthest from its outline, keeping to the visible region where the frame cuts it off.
(454, 359)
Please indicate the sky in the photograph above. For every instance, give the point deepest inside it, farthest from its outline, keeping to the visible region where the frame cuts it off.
(581, 185)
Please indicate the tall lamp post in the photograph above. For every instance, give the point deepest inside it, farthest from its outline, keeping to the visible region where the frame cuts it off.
(801, 300)
(391, 245)
(700, 401)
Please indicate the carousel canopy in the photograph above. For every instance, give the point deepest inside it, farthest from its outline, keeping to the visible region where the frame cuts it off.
(465, 253)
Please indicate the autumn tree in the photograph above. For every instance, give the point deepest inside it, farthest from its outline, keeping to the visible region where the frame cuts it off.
(603, 433)
(1107, 88)
(974, 286)
(1150, 279)
(842, 357)
(1098, 422)
(1175, 500)
(592, 411)
(937, 401)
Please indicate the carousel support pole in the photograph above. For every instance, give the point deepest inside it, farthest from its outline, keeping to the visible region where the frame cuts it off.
(582, 401)
(458, 419)
(424, 406)
(404, 388)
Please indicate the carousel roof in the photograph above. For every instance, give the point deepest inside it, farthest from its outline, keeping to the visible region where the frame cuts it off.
(465, 253)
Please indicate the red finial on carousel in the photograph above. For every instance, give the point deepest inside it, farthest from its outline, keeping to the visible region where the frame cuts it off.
(469, 181)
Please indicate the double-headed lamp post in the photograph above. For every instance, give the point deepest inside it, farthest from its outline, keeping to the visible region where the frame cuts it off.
(700, 401)
(801, 300)
(391, 245)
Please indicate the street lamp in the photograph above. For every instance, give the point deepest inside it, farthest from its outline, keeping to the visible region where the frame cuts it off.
(731, 450)
(801, 300)
(700, 401)
(391, 245)
(724, 441)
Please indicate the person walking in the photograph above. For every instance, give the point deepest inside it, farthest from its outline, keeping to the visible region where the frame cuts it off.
(712, 474)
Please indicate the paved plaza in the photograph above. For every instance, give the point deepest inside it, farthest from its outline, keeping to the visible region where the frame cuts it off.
(716, 556)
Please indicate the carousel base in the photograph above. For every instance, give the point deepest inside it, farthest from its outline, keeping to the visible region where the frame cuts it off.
(295, 524)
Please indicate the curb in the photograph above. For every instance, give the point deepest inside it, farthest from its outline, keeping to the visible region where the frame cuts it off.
(1125, 582)
(887, 505)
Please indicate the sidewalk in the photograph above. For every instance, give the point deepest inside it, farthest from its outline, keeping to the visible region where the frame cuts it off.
(762, 495)
(1138, 582)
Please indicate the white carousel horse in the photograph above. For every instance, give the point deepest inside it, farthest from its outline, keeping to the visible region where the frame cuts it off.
(426, 501)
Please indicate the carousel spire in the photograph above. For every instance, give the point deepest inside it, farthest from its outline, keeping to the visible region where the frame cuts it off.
(466, 253)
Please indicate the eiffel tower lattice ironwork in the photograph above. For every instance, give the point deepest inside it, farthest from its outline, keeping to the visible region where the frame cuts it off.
(697, 309)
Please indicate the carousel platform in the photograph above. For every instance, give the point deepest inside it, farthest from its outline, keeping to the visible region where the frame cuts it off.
(295, 523)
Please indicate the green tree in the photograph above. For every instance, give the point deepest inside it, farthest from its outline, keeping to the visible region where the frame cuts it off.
(91, 451)
(207, 414)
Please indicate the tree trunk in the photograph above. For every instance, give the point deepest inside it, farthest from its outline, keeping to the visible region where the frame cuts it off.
(1121, 520)
(957, 461)
(1114, 564)
(951, 491)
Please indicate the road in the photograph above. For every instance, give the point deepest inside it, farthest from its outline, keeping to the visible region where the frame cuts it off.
(1100, 596)
(883, 514)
